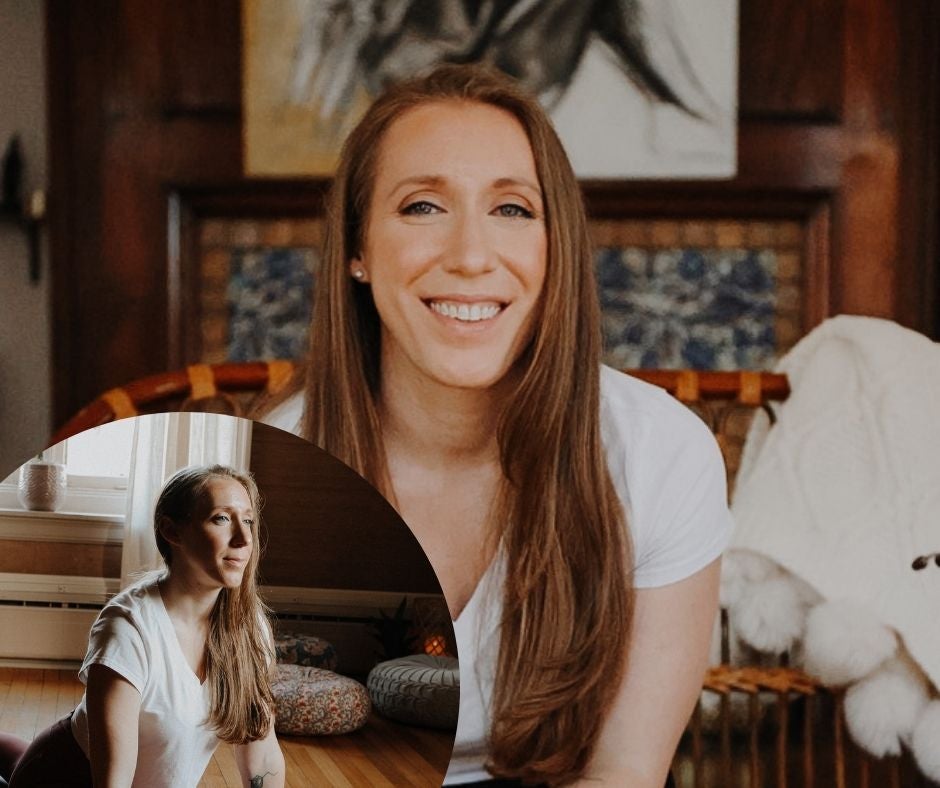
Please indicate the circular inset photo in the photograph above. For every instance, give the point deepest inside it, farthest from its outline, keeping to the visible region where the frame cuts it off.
(190, 599)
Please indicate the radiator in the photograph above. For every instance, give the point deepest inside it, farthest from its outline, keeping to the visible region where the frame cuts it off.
(46, 618)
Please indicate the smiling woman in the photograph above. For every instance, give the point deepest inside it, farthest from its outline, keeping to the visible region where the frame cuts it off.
(574, 516)
(455, 256)
(177, 662)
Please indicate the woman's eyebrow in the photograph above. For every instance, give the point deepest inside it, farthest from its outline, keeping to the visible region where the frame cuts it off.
(502, 183)
(231, 508)
(434, 181)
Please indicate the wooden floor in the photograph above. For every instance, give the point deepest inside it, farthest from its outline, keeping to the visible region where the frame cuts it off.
(31, 700)
(383, 753)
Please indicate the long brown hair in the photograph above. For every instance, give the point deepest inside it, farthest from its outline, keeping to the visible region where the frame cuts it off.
(567, 598)
(239, 651)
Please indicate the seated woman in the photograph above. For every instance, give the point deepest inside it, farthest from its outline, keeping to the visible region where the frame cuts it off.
(178, 662)
(574, 516)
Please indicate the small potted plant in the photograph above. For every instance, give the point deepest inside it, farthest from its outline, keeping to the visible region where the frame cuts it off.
(42, 485)
(395, 635)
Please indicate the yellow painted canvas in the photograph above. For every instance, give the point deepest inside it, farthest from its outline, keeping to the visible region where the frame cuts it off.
(645, 89)
(290, 127)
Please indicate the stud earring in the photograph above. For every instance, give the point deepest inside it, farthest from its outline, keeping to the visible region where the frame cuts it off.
(358, 274)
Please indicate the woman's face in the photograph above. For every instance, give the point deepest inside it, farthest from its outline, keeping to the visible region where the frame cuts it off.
(455, 243)
(215, 546)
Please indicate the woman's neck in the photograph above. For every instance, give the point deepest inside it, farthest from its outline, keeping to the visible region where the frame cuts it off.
(186, 601)
(441, 425)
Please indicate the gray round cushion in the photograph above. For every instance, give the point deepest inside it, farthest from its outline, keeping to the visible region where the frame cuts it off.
(419, 690)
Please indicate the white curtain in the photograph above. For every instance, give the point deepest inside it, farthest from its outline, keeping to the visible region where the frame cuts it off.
(164, 443)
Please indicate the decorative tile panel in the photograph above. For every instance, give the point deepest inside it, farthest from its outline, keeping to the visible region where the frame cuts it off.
(700, 293)
(269, 302)
(687, 308)
(256, 281)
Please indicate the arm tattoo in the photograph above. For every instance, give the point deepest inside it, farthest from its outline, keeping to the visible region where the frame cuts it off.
(258, 780)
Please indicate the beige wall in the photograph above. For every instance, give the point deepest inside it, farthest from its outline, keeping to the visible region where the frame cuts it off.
(24, 308)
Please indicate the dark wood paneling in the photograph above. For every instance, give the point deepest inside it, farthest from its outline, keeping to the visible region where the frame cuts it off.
(919, 130)
(189, 207)
(141, 96)
(56, 558)
(327, 527)
(77, 127)
(791, 59)
(201, 68)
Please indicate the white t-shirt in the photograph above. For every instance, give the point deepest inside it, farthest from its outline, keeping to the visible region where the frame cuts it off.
(134, 637)
(668, 471)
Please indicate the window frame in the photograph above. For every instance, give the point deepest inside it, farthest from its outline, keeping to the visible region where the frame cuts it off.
(88, 499)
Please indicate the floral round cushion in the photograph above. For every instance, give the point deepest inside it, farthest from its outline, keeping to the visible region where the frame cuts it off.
(420, 690)
(296, 649)
(316, 702)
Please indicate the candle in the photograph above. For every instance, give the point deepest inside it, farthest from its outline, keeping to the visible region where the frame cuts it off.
(435, 645)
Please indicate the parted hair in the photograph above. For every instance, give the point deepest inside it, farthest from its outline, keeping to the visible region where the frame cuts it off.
(567, 598)
(239, 651)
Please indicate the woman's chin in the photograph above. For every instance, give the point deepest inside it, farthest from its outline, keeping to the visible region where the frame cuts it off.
(477, 365)
(232, 578)
(233, 581)
(472, 374)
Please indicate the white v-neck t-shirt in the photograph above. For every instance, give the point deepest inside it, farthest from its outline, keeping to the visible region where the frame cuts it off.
(667, 470)
(133, 635)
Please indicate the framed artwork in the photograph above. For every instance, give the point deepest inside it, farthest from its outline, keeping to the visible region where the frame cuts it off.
(635, 88)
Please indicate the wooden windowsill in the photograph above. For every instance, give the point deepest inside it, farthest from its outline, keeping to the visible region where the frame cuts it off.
(74, 527)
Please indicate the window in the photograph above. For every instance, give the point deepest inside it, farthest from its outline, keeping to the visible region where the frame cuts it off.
(97, 462)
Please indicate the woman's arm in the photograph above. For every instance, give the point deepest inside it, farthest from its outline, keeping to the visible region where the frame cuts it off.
(113, 719)
(261, 763)
(668, 654)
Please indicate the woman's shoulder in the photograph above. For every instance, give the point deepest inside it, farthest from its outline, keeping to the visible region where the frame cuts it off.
(644, 417)
(286, 415)
(125, 632)
(136, 603)
(667, 468)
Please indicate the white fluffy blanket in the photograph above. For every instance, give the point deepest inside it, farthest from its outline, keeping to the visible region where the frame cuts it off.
(842, 495)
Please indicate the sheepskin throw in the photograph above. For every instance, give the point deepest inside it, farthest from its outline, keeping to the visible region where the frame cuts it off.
(833, 505)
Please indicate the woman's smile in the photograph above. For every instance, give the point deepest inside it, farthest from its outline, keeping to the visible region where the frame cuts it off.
(465, 316)
(465, 311)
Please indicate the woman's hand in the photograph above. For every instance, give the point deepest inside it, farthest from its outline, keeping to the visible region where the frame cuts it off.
(113, 718)
(672, 629)
(261, 763)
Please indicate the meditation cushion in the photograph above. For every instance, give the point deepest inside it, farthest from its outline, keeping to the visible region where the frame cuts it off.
(296, 649)
(316, 702)
(419, 690)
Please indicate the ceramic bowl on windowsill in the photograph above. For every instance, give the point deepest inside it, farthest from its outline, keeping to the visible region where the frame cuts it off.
(42, 485)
